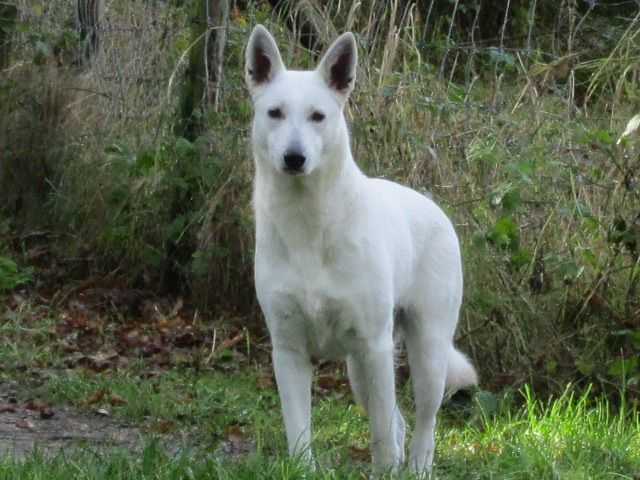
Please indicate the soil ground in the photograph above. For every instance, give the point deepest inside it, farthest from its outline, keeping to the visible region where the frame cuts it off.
(27, 426)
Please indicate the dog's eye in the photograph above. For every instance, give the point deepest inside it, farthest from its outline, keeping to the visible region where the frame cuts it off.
(275, 113)
(317, 117)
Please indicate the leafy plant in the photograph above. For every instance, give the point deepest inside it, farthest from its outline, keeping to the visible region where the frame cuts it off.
(11, 276)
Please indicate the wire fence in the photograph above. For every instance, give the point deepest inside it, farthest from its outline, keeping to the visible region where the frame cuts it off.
(143, 46)
(124, 87)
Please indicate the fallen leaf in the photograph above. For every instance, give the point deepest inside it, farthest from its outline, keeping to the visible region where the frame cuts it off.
(163, 426)
(230, 342)
(265, 382)
(96, 397)
(35, 405)
(329, 382)
(41, 407)
(102, 360)
(47, 413)
(116, 400)
(7, 408)
(235, 434)
(359, 454)
(236, 442)
(25, 424)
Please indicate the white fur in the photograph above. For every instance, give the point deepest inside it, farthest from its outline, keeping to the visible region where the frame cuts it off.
(338, 254)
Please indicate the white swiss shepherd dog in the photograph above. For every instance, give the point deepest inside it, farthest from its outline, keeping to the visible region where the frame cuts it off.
(343, 261)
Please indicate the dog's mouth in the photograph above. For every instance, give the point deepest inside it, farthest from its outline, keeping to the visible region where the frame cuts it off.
(293, 171)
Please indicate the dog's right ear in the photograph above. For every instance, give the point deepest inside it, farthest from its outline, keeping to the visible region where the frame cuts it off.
(262, 59)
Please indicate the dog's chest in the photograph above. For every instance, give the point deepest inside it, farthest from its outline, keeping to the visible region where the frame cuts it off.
(328, 320)
(316, 295)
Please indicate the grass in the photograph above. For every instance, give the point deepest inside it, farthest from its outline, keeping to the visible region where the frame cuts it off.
(224, 422)
(574, 436)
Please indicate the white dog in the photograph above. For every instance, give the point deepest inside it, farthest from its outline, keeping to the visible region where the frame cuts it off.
(342, 260)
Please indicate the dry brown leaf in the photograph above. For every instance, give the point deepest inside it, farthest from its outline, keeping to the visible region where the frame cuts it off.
(359, 454)
(265, 382)
(96, 397)
(230, 342)
(47, 413)
(328, 382)
(7, 408)
(25, 424)
(35, 405)
(163, 426)
(235, 435)
(41, 407)
(103, 356)
(116, 400)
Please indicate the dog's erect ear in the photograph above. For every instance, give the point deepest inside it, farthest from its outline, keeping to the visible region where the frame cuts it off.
(338, 66)
(262, 58)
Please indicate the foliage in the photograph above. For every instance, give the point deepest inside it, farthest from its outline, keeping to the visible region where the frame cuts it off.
(10, 275)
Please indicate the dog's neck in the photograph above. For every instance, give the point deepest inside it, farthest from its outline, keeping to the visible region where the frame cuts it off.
(321, 197)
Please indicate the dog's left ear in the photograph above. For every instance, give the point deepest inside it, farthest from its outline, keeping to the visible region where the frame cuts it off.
(338, 66)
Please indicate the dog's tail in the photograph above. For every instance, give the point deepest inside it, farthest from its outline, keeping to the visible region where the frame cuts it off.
(460, 372)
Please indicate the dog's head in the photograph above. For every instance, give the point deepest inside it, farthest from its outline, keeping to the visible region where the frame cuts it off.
(298, 121)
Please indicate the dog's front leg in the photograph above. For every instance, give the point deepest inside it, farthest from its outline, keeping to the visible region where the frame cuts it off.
(294, 371)
(376, 367)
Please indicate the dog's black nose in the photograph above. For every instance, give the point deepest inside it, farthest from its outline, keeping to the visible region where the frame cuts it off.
(294, 161)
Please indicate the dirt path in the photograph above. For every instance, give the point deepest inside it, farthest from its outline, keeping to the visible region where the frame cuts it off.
(26, 426)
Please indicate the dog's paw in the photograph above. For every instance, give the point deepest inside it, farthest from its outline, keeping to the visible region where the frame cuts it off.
(421, 472)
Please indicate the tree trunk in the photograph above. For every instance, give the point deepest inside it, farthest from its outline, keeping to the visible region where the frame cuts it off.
(218, 18)
(88, 17)
(203, 78)
(8, 16)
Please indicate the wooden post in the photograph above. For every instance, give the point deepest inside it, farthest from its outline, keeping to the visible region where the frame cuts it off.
(201, 88)
(8, 16)
(217, 19)
(88, 17)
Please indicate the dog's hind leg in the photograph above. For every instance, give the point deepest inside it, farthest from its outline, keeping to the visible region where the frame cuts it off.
(428, 362)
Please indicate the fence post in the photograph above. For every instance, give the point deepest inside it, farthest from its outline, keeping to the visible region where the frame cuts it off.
(88, 17)
(8, 16)
(217, 18)
(201, 86)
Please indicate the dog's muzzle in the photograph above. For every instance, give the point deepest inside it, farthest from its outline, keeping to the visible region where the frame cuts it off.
(294, 163)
